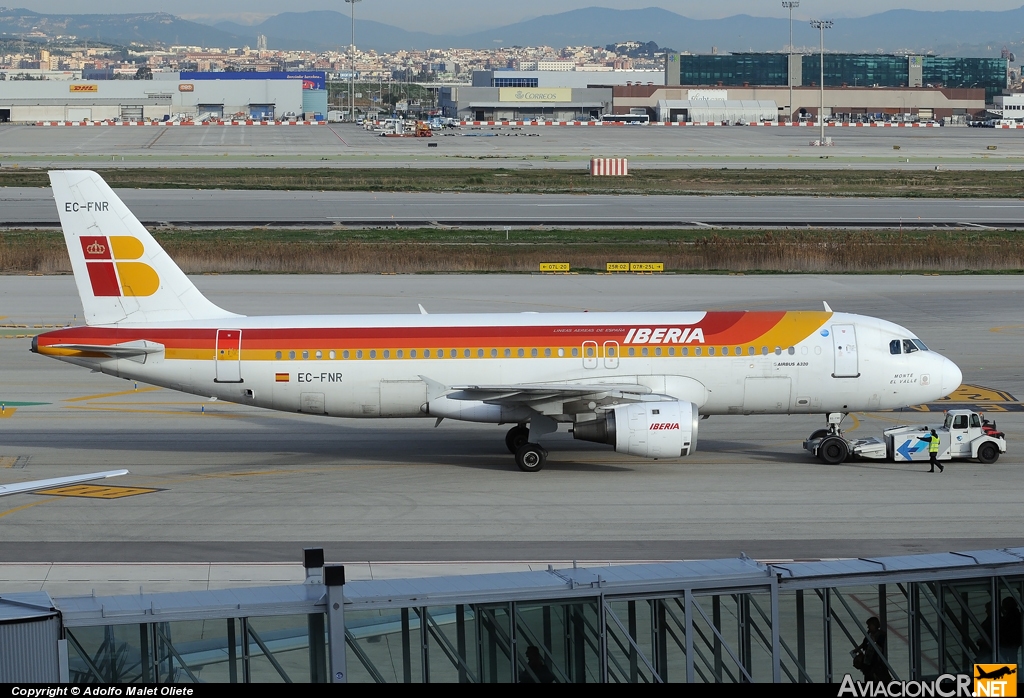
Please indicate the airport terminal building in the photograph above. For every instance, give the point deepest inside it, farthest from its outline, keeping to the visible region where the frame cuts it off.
(856, 85)
(557, 95)
(264, 96)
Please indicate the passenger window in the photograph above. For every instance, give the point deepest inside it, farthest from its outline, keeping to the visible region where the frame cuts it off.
(305, 354)
(333, 354)
(561, 351)
(960, 421)
(590, 351)
(373, 354)
(547, 352)
(466, 353)
(671, 351)
(344, 354)
(520, 353)
(494, 353)
(644, 351)
(400, 353)
(412, 354)
(576, 351)
(909, 347)
(387, 353)
(894, 346)
(454, 353)
(696, 351)
(778, 351)
(725, 351)
(426, 353)
(291, 355)
(711, 351)
(610, 351)
(508, 353)
(440, 353)
(277, 355)
(975, 421)
(764, 351)
(319, 354)
(632, 351)
(657, 352)
(791, 351)
(359, 354)
(751, 351)
(686, 351)
(479, 353)
(533, 353)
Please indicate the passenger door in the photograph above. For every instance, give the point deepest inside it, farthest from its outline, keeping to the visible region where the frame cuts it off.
(844, 343)
(228, 356)
(590, 355)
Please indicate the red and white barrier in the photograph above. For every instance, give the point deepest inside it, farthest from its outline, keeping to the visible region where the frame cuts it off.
(609, 167)
(246, 122)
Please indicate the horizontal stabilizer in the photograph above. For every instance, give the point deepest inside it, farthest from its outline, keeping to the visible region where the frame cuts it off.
(36, 485)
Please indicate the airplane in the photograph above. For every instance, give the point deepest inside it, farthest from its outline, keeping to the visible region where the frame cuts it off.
(639, 382)
(36, 485)
(995, 673)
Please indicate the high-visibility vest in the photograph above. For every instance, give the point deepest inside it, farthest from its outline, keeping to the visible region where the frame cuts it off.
(933, 445)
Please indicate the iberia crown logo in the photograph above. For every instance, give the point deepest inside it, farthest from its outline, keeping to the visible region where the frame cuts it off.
(111, 271)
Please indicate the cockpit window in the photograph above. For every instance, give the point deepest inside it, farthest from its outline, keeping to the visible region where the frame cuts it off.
(894, 346)
(909, 347)
(920, 345)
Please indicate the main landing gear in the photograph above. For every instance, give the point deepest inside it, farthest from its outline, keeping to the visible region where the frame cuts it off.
(529, 457)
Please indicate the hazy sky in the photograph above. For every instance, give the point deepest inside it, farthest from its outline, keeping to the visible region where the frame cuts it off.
(457, 16)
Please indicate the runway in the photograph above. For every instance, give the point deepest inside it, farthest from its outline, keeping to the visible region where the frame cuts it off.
(347, 145)
(214, 482)
(32, 207)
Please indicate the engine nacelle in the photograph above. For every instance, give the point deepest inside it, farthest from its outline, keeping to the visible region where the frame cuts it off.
(647, 429)
(476, 411)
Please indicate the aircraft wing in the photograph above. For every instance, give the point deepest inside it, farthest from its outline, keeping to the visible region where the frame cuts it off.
(35, 485)
(526, 392)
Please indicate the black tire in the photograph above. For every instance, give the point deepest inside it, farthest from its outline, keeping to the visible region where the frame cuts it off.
(818, 434)
(531, 457)
(988, 453)
(833, 450)
(516, 437)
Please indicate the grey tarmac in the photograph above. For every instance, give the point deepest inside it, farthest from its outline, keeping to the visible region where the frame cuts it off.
(346, 145)
(231, 483)
(30, 207)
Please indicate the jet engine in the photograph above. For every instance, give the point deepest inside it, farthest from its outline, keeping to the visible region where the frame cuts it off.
(647, 429)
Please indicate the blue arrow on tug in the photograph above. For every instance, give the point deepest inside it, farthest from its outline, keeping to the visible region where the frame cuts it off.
(907, 450)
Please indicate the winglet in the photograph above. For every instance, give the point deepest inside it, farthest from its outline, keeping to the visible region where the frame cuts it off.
(423, 311)
(827, 309)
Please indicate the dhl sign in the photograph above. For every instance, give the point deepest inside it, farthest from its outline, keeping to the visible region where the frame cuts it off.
(76, 87)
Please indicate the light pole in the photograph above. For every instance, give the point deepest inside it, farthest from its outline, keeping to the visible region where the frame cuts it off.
(821, 25)
(790, 4)
(352, 65)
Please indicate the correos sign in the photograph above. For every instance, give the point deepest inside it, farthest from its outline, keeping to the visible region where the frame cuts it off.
(535, 94)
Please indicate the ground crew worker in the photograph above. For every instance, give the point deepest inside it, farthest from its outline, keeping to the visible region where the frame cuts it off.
(933, 450)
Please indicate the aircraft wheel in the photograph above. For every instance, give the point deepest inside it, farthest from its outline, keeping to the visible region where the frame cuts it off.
(988, 453)
(833, 450)
(530, 458)
(516, 437)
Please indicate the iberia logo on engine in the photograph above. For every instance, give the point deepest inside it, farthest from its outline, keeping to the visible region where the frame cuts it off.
(111, 272)
(664, 426)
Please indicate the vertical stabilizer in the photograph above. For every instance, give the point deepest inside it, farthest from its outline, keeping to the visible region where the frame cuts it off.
(123, 274)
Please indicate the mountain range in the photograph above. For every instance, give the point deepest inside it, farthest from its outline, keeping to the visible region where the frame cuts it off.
(954, 32)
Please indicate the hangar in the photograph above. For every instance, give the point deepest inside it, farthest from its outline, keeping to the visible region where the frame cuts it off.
(168, 95)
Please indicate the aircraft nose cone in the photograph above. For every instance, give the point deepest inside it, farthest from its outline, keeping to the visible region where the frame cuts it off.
(952, 376)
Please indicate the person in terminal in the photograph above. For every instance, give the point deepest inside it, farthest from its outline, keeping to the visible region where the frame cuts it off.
(933, 450)
(869, 660)
(538, 671)
(1009, 630)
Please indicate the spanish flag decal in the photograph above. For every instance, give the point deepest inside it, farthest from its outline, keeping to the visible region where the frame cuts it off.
(281, 377)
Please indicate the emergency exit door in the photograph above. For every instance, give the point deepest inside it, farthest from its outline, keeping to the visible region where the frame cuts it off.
(844, 342)
(229, 356)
